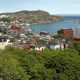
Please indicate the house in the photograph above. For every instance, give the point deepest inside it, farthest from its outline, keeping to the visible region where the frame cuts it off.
(61, 46)
(4, 41)
(76, 33)
(3, 27)
(16, 28)
(40, 49)
(4, 16)
(66, 33)
(70, 34)
(44, 33)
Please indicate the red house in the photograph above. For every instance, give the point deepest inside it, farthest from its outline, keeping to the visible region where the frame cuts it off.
(66, 33)
(15, 28)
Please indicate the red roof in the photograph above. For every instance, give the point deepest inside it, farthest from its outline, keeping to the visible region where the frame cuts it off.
(15, 28)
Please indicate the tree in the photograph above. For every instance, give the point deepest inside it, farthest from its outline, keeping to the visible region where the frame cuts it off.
(18, 64)
(6, 19)
(76, 46)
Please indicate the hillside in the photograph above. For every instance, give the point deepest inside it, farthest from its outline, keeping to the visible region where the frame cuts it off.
(18, 64)
(32, 16)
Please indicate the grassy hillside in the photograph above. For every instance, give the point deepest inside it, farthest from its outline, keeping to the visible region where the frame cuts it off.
(17, 64)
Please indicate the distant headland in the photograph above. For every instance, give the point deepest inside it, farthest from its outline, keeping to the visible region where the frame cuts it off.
(37, 16)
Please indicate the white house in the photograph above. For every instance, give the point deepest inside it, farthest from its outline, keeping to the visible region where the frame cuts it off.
(3, 44)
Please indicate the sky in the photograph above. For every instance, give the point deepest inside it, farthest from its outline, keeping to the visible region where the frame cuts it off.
(57, 7)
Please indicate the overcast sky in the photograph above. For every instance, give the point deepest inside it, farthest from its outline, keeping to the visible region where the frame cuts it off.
(61, 7)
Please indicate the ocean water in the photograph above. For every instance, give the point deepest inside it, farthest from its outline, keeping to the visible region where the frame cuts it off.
(67, 22)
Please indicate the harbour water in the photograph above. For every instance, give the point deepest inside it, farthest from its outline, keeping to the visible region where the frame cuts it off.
(67, 22)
